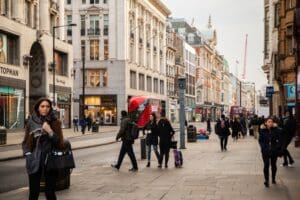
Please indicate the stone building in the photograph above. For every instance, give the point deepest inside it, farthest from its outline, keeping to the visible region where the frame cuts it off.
(26, 44)
(124, 47)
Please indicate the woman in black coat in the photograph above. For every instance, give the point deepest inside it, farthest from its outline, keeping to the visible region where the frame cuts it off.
(43, 131)
(270, 142)
(151, 132)
(236, 128)
(166, 133)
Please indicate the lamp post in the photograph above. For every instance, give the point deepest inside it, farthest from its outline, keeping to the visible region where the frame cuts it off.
(53, 57)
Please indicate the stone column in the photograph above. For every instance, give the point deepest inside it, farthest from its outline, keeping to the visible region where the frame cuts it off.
(44, 16)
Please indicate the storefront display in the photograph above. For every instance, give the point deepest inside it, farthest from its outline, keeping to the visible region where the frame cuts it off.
(11, 107)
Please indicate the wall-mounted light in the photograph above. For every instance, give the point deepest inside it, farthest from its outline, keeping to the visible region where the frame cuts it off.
(26, 59)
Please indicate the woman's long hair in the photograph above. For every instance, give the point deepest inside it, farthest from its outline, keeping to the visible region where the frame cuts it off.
(51, 119)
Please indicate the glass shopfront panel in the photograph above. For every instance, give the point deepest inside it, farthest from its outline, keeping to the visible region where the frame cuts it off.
(11, 107)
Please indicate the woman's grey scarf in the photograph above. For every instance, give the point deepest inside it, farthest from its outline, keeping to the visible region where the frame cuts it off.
(36, 123)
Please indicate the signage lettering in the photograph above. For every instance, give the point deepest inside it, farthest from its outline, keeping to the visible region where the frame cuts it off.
(12, 72)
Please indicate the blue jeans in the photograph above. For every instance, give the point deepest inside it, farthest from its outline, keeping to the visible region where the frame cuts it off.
(148, 149)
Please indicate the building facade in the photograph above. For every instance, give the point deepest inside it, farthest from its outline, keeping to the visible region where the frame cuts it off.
(26, 29)
(124, 46)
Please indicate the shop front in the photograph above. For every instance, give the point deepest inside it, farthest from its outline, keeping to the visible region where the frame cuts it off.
(12, 103)
(102, 108)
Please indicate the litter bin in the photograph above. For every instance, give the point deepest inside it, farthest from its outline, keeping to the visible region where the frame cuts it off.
(191, 133)
(143, 148)
(95, 128)
(3, 135)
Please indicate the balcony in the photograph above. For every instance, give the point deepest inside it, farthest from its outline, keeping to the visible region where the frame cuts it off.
(93, 31)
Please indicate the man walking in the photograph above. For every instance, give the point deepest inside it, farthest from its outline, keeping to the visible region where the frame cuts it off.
(75, 123)
(127, 141)
(222, 130)
(289, 129)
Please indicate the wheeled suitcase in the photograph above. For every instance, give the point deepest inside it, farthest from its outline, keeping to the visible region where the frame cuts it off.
(178, 159)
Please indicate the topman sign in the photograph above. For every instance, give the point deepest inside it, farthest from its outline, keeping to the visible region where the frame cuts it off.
(6, 70)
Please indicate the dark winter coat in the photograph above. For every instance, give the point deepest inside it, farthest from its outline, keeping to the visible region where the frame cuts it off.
(236, 128)
(151, 131)
(270, 141)
(124, 132)
(42, 142)
(165, 131)
(289, 130)
(222, 132)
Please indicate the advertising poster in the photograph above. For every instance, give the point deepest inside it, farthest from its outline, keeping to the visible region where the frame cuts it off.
(3, 48)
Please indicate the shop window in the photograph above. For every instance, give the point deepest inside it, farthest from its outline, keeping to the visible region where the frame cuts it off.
(9, 48)
(11, 107)
(61, 63)
(97, 78)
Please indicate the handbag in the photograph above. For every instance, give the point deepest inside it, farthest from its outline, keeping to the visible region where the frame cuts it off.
(60, 159)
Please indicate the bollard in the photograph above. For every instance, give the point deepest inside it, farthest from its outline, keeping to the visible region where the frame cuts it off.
(3, 135)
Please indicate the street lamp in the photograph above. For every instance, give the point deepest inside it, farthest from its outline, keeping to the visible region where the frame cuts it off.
(53, 59)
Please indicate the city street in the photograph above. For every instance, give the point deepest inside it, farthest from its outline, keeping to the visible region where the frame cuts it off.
(207, 173)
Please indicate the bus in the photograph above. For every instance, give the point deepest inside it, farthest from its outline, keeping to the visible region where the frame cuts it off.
(140, 108)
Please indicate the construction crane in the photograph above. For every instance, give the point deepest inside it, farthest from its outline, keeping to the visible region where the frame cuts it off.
(245, 58)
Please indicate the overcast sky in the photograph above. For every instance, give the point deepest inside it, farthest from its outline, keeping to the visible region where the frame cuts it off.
(232, 19)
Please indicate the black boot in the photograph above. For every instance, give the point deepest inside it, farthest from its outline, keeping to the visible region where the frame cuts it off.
(148, 164)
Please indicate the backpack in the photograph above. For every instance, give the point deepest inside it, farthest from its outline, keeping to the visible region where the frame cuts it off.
(133, 130)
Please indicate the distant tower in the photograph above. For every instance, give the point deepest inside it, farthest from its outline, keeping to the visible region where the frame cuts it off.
(209, 22)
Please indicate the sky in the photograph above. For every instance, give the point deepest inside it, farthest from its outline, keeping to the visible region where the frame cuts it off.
(232, 19)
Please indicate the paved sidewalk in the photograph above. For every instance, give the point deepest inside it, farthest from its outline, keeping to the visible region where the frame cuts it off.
(207, 174)
(13, 149)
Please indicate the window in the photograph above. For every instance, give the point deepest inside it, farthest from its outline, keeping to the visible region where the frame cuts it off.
(82, 48)
(105, 1)
(133, 79)
(105, 22)
(94, 1)
(162, 87)
(106, 50)
(69, 2)
(34, 16)
(94, 49)
(276, 15)
(27, 13)
(290, 4)
(69, 28)
(82, 23)
(155, 85)
(96, 78)
(141, 82)
(9, 48)
(149, 84)
(61, 63)
(83, 1)
(289, 40)
(94, 25)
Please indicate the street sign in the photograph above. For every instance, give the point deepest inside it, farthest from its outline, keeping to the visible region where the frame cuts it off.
(269, 91)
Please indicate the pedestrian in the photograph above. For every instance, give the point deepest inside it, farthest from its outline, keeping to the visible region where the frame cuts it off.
(236, 127)
(222, 130)
(89, 122)
(208, 125)
(243, 125)
(75, 123)
(255, 124)
(151, 132)
(270, 142)
(165, 132)
(42, 131)
(82, 124)
(289, 130)
(127, 142)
